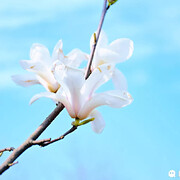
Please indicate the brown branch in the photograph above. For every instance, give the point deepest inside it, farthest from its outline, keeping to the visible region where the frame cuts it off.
(7, 149)
(44, 143)
(29, 142)
(41, 141)
(105, 8)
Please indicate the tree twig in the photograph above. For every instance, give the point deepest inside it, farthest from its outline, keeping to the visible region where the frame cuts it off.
(7, 149)
(88, 70)
(29, 142)
(44, 143)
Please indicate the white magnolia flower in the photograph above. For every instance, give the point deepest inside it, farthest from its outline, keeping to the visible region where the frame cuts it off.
(42, 65)
(118, 51)
(79, 97)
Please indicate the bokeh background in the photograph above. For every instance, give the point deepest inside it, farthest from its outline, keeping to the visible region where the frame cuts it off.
(139, 142)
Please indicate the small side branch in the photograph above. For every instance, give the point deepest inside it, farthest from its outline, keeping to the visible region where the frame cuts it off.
(44, 143)
(41, 141)
(7, 149)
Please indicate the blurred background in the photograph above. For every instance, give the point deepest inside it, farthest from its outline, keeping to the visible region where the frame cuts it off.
(140, 141)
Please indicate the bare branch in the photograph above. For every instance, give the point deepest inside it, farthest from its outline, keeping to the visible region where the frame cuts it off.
(105, 8)
(41, 141)
(7, 149)
(29, 142)
(45, 143)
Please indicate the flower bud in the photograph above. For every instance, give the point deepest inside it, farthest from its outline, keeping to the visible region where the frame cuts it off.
(111, 2)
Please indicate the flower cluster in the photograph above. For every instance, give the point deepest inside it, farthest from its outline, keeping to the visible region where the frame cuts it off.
(65, 82)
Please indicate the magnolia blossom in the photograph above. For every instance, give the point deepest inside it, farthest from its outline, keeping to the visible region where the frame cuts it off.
(118, 51)
(79, 97)
(42, 66)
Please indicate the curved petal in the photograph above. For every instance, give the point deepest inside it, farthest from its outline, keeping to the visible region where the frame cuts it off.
(75, 58)
(119, 80)
(57, 97)
(33, 65)
(115, 99)
(71, 81)
(98, 124)
(44, 74)
(25, 80)
(107, 55)
(44, 94)
(98, 77)
(58, 52)
(39, 52)
(49, 83)
(124, 47)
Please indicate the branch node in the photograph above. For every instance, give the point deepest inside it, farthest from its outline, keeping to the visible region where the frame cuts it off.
(40, 142)
(12, 164)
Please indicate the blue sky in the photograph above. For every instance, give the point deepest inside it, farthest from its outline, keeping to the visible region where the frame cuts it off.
(140, 141)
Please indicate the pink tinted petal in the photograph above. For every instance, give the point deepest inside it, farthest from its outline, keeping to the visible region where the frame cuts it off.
(71, 81)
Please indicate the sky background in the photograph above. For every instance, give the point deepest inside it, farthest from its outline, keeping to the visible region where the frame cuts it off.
(140, 141)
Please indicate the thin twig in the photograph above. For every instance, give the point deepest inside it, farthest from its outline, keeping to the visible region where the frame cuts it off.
(45, 143)
(41, 141)
(105, 8)
(7, 149)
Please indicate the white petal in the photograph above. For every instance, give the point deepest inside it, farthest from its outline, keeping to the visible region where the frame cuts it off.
(98, 77)
(75, 58)
(44, 74)
(48, 82)
(25, 79)
(39, 52)
(108, 56)
(44, 94)
(71, 81)
(57, 97)
(58, 52)
(115, 99)
(98, 124)
(119, 80)
(33, 65)
(124, 47)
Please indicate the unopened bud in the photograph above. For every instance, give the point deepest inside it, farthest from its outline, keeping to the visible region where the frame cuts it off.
(111, 2)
